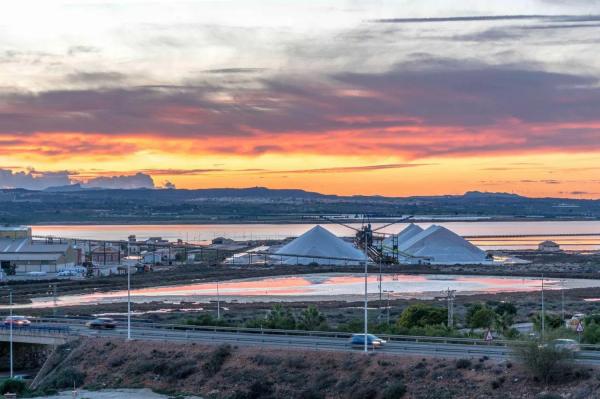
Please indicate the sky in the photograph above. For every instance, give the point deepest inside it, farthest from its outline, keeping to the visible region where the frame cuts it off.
(395, 98)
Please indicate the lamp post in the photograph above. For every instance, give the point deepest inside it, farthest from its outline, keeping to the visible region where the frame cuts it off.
(543, 310)
(366, 291)
(218, 302)
(128, 301)
(10, 328)
(388, 292)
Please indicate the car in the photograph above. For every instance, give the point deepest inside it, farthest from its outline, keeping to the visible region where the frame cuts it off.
(37, 274)
(566, 344)
(358, 341)
(102, 322)
(68, 273)
(17, 321)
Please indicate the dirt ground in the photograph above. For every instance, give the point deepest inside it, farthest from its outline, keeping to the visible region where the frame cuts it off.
(112, 394)
(236, 372)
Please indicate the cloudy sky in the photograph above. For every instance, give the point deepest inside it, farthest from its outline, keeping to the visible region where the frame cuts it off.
(349, 97)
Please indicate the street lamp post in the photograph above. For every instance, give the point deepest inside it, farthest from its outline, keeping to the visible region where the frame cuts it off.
(10, 303)
(543, 310)
(366, 291)
(388, 292)
(218, 302)
(128, 300)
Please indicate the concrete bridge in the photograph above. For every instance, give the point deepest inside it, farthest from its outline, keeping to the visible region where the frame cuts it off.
(36, 335)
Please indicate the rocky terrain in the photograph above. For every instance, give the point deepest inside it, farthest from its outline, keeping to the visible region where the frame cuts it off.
(239, 372)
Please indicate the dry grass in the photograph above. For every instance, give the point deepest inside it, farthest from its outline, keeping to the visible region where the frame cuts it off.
(214, 371)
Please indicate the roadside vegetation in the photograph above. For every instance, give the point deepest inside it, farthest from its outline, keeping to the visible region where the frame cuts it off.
(416, 319)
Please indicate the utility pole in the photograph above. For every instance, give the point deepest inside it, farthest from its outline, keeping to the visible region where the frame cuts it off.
(10, 302)
(543, 310)
(128, 301)
(562, 299)
(388, 292)
(366, 291)
(450, 301)
(54, 299)
(218, 302)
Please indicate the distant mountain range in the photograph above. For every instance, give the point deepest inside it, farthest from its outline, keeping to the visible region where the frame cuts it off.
(76, 204)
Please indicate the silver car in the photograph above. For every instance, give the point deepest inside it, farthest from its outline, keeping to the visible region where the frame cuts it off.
(566, 344)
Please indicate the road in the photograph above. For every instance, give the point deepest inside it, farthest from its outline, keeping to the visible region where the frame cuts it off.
(413, 346)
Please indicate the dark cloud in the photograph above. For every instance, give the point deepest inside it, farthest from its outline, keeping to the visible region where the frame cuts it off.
(475, 18)
(139, 180)
(234, 70)
(426, 107)
(81, 49)
(96, 77)
(33, 180)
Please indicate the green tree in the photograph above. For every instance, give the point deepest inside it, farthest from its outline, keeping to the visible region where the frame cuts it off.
(9, 268)
(311, 319)
(591, 333)
(480, 316)
(505, 308)
(421, 315)
(552, 321)
(280, 318)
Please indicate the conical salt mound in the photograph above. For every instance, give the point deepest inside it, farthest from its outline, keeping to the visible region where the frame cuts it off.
(317, 244)
(439, 245)
(409, 231)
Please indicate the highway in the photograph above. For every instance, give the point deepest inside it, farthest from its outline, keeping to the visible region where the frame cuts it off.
(67, 329)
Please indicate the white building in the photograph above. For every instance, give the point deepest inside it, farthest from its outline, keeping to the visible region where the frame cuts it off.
(26, 255)
(548, 246)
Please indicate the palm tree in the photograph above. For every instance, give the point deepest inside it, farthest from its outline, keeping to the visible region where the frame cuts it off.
(311, 319)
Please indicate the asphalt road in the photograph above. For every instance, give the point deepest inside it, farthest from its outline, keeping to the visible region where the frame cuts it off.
(289, 340)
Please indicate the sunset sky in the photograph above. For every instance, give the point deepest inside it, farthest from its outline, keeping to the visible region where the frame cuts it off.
(396, 98)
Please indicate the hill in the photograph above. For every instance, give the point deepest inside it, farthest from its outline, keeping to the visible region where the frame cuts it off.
(76, 204)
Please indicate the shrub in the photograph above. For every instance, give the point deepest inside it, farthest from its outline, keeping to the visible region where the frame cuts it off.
(311, 393)
(207, 320)
(216, 360)
(548, 396)
(394, 391)
(364, 393)
(480, 316)
(591, 334)
(280, 318)
(463, 363)
(67, 378)
(552, 321)
(545, 362)
(311, 319)
(264, 360)
(421, 315)
(13, 386)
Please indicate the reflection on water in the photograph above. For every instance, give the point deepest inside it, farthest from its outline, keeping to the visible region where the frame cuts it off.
(201, 233)
(326, 286)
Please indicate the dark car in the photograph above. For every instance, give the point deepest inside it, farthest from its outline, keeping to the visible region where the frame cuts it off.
(102, 322)
(358, 341)
(17, 321)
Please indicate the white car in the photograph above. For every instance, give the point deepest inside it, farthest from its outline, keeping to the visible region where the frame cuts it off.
(566, 344)
(37, 274)
(69, 273)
